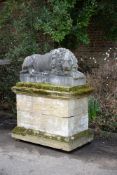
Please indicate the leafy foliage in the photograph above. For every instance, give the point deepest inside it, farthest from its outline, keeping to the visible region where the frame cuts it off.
(55, 19)
(93, 108)
(63, 21)
(68, 17)
(18, 19)
(36, 26)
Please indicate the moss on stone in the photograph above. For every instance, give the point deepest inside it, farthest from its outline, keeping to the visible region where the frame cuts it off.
(43, 86)
(86, 133)
(23, 131)
(51, 90)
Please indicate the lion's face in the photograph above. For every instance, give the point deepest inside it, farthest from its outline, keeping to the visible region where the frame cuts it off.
(64, 61)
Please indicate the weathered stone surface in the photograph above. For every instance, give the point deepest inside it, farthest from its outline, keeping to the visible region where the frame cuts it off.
(52, 124)
(54, 79)
(53, 107)
(54, 141)
(52, 100)
(54, 116)
(78, 106)
(59, 67)
(52, 91)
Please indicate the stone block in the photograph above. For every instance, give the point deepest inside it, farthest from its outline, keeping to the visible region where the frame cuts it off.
(52, 124)
(54, 79)
(53, 106)
(56, 116)
(54, 141)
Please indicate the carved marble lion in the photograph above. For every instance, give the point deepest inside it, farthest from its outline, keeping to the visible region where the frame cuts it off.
(59, 61)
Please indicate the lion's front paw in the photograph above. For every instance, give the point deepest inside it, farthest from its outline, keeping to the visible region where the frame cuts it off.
(77, 75)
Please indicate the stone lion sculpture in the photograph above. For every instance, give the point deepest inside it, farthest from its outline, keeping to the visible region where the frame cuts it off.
(59, 61)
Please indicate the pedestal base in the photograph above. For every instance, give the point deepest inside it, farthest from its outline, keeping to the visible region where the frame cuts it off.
(54, 141)
(54, 116)
(54, 79)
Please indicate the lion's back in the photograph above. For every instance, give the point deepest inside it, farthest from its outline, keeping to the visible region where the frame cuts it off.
(42, 62)
(38, 62)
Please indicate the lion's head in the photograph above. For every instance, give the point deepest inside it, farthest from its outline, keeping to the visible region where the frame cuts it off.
(63, 61)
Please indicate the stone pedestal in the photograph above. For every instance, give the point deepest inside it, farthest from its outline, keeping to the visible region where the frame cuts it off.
(54, 79)
(54, 116)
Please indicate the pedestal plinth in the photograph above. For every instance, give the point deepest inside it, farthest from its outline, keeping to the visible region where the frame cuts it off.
(54, 116)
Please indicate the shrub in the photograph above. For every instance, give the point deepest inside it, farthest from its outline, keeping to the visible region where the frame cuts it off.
(104, 81)
(93, 108)
(9, 75)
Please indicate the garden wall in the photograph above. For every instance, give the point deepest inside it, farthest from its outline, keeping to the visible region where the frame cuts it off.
(98, 52)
